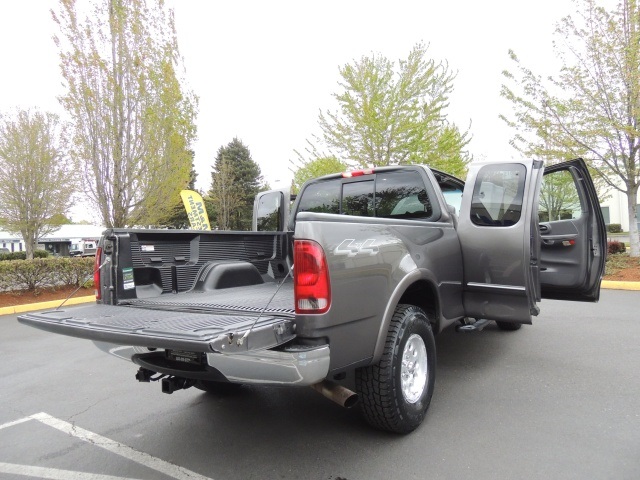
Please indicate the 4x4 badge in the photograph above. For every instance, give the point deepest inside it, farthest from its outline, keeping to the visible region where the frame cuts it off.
(351, 248)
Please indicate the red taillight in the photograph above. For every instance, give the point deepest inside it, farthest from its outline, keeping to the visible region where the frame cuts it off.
(96, 273)
(358, 173)
(312, 289)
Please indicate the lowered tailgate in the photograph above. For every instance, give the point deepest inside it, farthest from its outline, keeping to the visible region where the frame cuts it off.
(224, 332)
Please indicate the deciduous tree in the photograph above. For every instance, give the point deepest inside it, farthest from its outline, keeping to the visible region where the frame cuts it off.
(133, 120)
(390, 115)
(306, 170)
(591, 108)
(37, 179)
(177, 217)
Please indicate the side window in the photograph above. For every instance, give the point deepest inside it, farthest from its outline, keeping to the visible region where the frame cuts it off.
(321, 197)
(402, 195)
(497, 195)
(357, 199)
(559, 198)
(268, 215)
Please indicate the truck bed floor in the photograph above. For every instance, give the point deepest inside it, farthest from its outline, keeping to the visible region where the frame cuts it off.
(246, 299)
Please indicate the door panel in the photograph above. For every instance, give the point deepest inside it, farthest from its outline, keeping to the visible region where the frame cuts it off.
(572, 234)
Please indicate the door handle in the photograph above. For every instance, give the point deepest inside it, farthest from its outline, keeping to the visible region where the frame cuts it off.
(552, 239)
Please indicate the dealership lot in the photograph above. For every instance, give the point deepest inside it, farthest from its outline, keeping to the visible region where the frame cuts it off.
(558, 399)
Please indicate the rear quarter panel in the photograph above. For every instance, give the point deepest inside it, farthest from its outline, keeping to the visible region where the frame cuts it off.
(371, 263)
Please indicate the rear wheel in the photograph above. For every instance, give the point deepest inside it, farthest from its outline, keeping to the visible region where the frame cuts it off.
(395, 394)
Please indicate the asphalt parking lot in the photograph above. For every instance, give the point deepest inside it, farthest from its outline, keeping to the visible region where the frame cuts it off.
(559, 399)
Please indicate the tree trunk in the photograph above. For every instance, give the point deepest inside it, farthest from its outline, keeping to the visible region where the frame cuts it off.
(29, 243)
(632, 201)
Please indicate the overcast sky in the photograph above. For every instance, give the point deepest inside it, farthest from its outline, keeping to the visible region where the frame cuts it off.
(264, 69)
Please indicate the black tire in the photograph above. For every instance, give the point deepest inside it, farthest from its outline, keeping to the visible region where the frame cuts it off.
(384, 403)
(218, 388)
(508, 326)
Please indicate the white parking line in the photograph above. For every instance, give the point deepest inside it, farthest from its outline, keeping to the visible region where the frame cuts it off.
(16, 422)
(179, 473)
(54, 473)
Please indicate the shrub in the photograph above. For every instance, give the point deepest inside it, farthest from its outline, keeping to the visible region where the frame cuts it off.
(45, 272)
(23, 255)
(614, 228)
(74, 271)
(616, 247)
(13, 256)
(28, 274)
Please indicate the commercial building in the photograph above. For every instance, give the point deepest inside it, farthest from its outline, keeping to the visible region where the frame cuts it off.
(57, 243)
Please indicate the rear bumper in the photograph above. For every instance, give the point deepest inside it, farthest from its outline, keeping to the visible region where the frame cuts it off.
(294, 365)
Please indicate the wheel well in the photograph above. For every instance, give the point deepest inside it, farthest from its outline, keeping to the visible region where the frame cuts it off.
(422, 294)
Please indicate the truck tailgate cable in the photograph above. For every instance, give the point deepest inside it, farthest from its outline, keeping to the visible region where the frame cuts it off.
(241, 340)
(106, 260)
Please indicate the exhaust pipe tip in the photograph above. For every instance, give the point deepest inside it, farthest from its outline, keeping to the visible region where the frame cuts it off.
(336, 393)
(352, 400)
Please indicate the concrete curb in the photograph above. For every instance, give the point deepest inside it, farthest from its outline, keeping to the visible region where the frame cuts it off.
(615, 285)
(28, 307)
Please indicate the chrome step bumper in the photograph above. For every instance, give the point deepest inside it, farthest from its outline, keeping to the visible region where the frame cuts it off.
(294, 365)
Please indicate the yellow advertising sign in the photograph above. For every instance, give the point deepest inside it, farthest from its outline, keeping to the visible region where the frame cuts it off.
(194, 205)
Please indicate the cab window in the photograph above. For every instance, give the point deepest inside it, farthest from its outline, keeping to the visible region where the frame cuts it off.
(321, 197)
(357, 199)
(387, 194)
(402, 195)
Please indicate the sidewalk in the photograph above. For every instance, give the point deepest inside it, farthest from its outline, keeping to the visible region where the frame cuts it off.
(606, 284)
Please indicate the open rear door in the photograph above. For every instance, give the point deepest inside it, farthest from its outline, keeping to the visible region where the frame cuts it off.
(498, 234)
(524, 238)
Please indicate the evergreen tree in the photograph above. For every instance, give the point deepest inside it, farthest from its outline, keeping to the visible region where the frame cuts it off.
(235, 181)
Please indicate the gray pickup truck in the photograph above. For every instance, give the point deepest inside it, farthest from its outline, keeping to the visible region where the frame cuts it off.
(353, 284)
